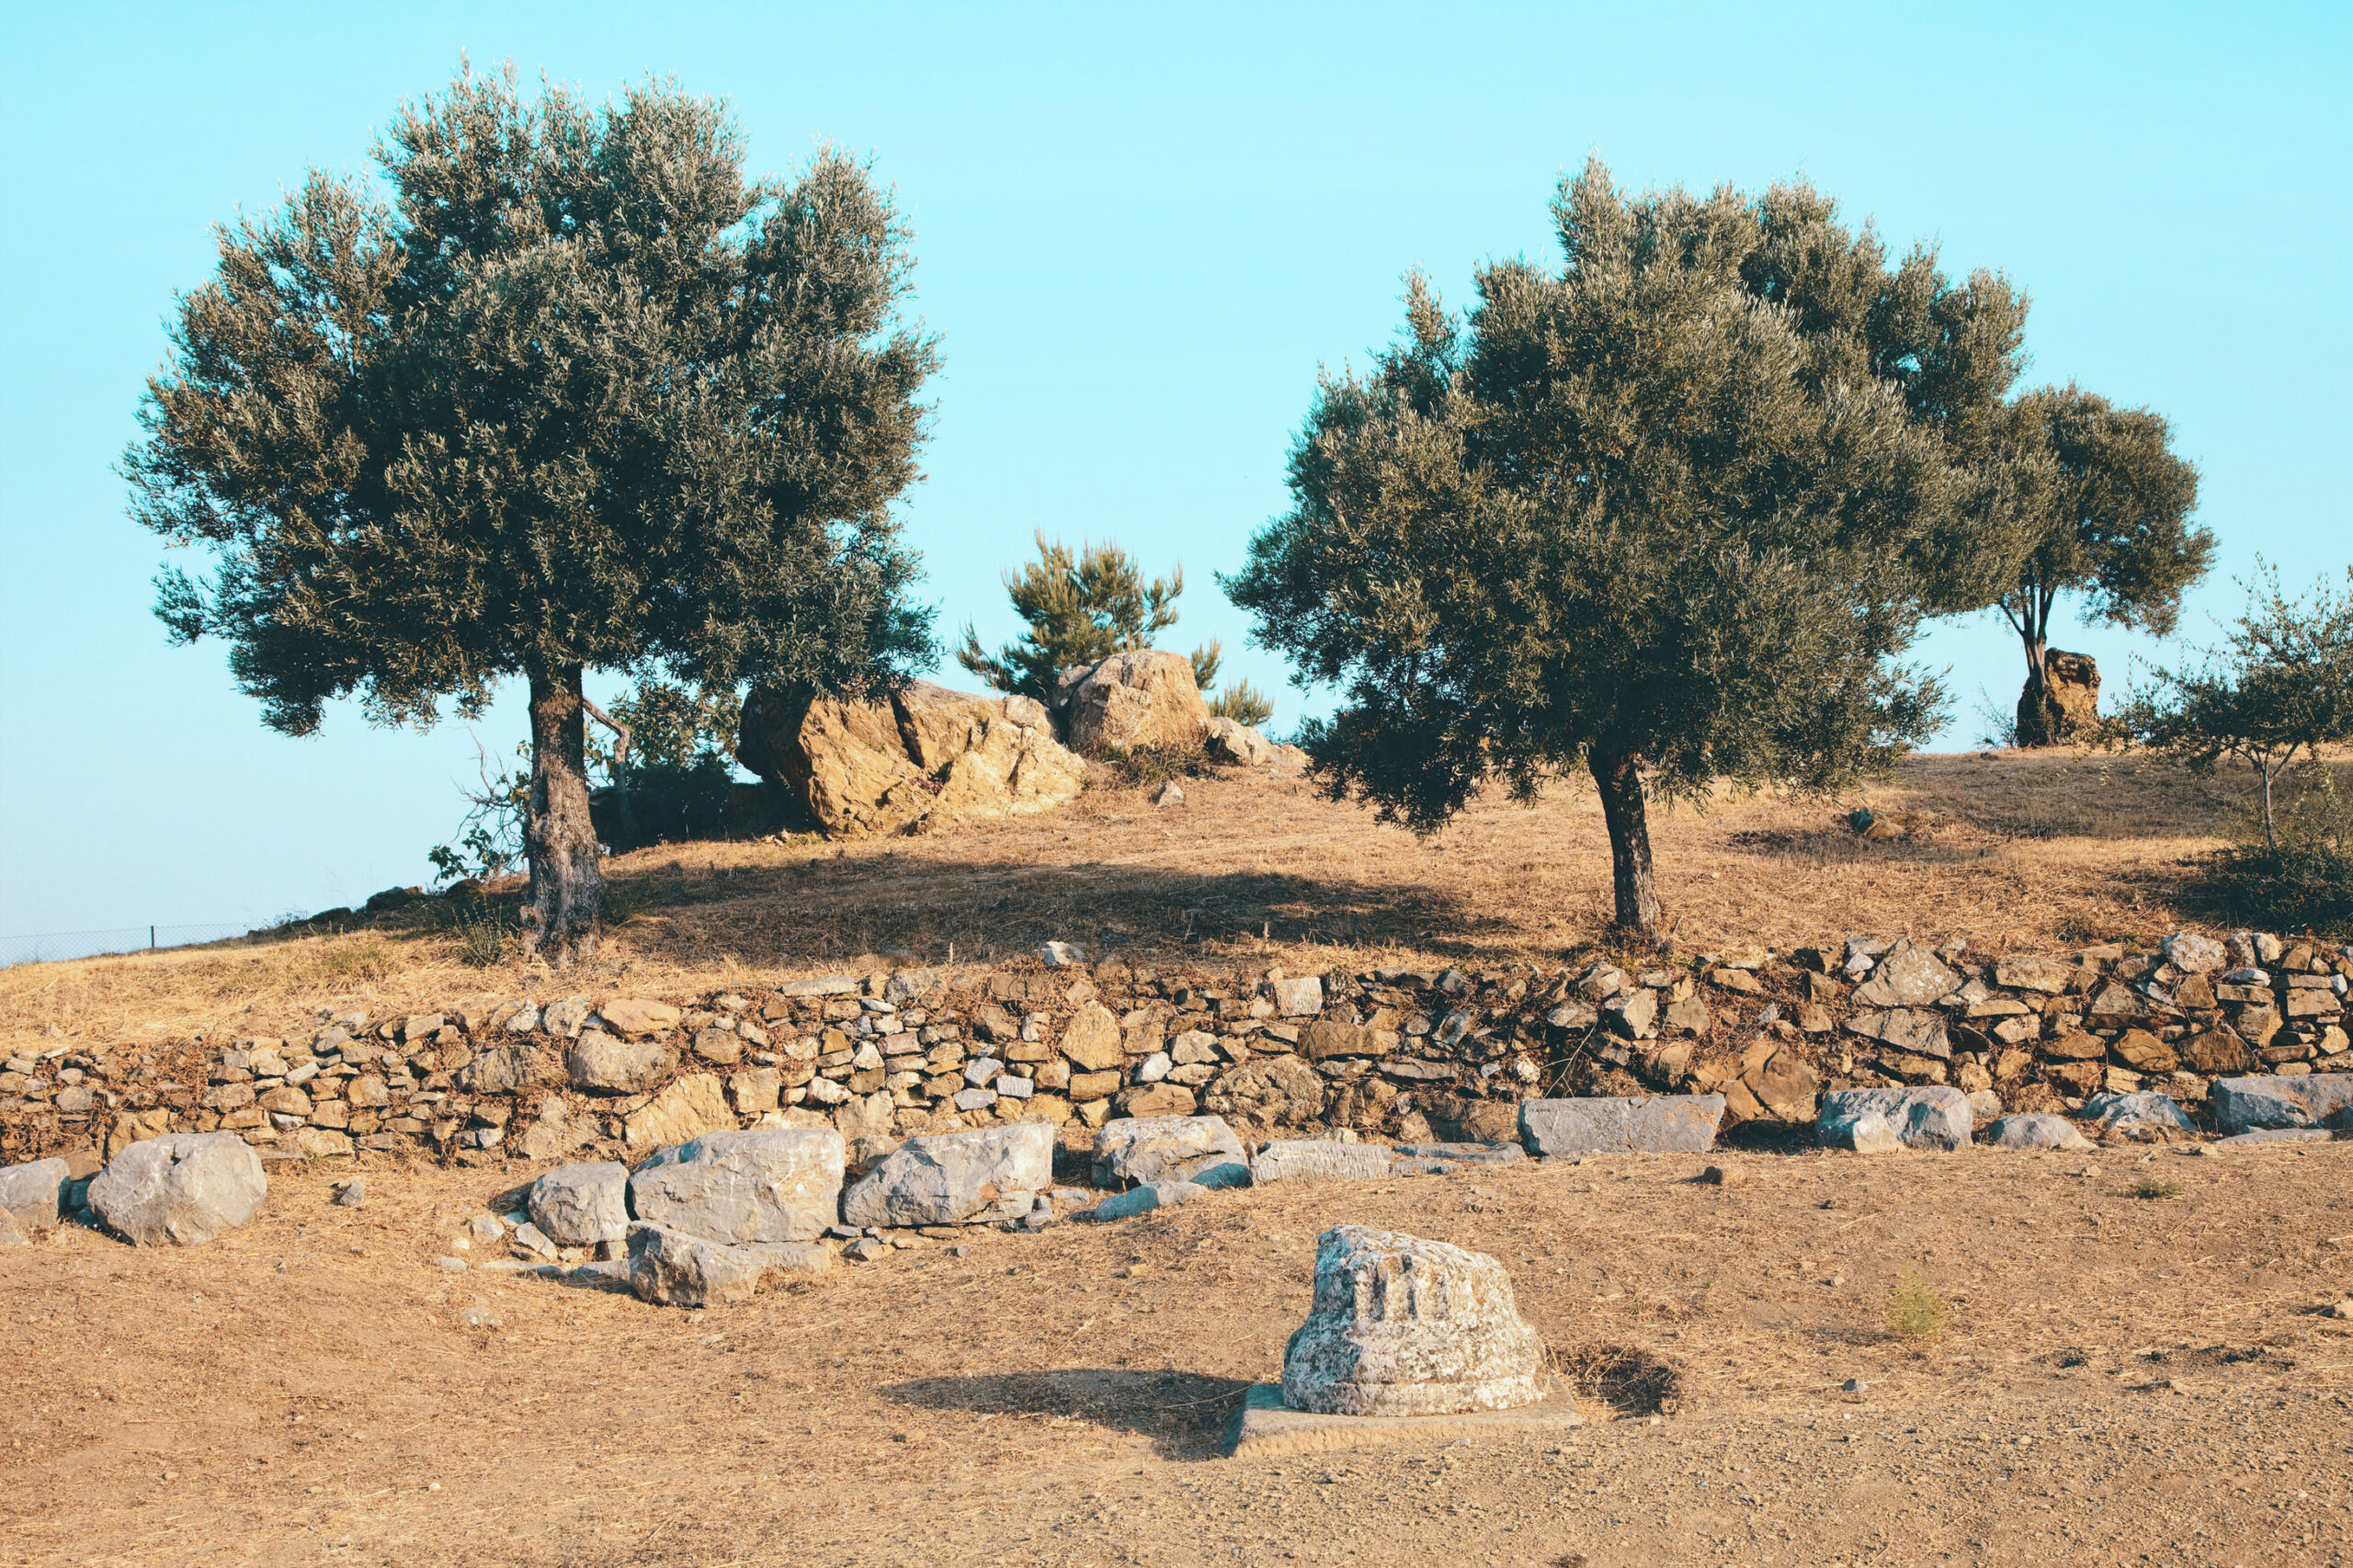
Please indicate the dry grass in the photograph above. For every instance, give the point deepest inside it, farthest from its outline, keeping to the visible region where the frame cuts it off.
(2022, 850)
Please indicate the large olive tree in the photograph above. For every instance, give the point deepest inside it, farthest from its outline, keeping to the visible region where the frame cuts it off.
(1667, 514)
(579, 395)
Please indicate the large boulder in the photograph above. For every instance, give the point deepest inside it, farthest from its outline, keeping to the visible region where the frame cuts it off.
(2144, 1117)
(925, 758)
(1932, 1117)
(1319, 1159)
(580, 1206)
(1403, 1327)
(771, 1184)
(182, 1189)
(1137, 1150)
(1146, 698)
(2252, 1105)
(31, 1193)
(673, 1270)
(2072, 681)
(954, 1179)
(1652, 1124)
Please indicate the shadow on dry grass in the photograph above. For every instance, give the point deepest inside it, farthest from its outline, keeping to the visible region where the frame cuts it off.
(1184, 1413)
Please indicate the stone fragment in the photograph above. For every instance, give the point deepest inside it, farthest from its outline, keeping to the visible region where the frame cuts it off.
(673, 1270)
(2108, 1112)
(1908, 1029)
(766, 1184)
(2316, 1099)
(2035, 1132)
(1931, 1116)
(581, 1206)
(1091, 1038)
(1908, 975)
(1633, 1014)
(1648, 1124)
(1319, 1159)
(1143, 1200)
(2144, 1052)
(2048, 977)
(1236, 744)
(2194, 954)
(1157, 1099)
(1326, 1037)
(598, 1061)
(183, 1188)
(1404, 1327)
(950, 1179)
(31, 1193)
(688, 1108)
(321, 1142)
(554, 1132)
(1147, 1149)
(1688, 1016)
(634, 1017)
(1299, 997)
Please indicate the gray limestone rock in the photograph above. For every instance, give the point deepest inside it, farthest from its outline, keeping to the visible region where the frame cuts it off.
(1403, 1327)
(2194, 954)
(2112, 1112)
(1135, 1150)
(771, 1184)
(32, 1193)
(1906, 1028)
(1908, 975)
(1300, 998)
(1442, 1159)
(1319, 1159)
(2035, 1132)
(675, 1271)
(1647, 1124)
(952, 1178)
(1934, 1116)
(2251, 1105)
(181, 1189)
(579, 1206)
(1144, 1199)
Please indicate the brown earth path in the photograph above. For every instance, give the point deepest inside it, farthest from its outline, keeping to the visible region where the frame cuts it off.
(2124, 1381)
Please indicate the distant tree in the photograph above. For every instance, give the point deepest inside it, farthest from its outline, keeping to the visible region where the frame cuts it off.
(1079, 608)
(1666, 514)
(2278, 690)
(2101, 508)
(1242, 703)
(580, 396)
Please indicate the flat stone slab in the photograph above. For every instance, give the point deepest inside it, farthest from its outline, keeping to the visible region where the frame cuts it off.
(2251, 1105)
(1266, 1429)
(2282, 1135)
(1655, 1124)
(1318, 1159)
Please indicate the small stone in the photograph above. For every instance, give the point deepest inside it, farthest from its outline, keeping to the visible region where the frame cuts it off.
(1168, 794)
(1856, 1385)
(1144, 1199)
(1299, 998)
(1722, 1175)
(352, 1193)
(637, 1019)
(454, 1265)
(1062, 955)
(867, 1249)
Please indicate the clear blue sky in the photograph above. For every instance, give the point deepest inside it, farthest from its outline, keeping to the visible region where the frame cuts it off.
(1139, 232)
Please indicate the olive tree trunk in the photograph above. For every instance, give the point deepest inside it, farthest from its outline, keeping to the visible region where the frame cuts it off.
(2039, 720)
(1620, 780)
(567, 884)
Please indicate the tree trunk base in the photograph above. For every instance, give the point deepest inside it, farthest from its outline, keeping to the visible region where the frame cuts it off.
(1633, 878)
(560, 923)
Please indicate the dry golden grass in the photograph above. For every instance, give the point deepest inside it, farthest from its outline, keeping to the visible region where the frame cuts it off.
(2025, 850)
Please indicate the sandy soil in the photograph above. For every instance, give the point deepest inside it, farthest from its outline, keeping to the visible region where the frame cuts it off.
(2123, 1379)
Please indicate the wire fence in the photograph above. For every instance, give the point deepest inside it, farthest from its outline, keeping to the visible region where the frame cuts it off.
(52, 946)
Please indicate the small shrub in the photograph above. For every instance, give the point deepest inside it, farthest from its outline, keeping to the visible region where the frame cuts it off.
(481, 934)
(2157, 1189)
(1914, 1309)
(370, 960)
(1147, 767)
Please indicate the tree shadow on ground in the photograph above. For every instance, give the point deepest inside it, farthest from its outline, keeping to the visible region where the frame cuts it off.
(1184, 1413)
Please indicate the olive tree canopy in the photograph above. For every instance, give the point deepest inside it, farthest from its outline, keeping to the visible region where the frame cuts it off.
(1668, 514)
(580, 395)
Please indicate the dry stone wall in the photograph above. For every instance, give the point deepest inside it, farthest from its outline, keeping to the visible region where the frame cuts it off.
(1410, 1056)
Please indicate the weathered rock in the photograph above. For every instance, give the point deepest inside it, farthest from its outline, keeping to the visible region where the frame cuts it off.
(1906, 1028)
(1144, 698)
(1091, 1038)
(135, 1126)
(1144, 1199)
(689, 1108)
(2109, 1113)
(2193, 954)
(1138, 1150)
(183, 1189)
(1652, 1124)
(767, 1185)
(2071, 683)
(1907, 975)
(2144, 1052)
(2249, 1105)
(500, 1070)
(1403, 1327)
(1443, 1159)
(554, 1132)
(1931, 1116)
(634, 1017)
(1301, 996)
(1784, 1086)
(953, 1178)
(2048, 977)
(1327, 1037)
(581, 1206)
(1632, 1014)
(2035, 1132)
(1319, 1159)
(1236, 744)
(1157, 1099)
(31, 1193)
(598, 1061)
(927, 757)
(673, 1270)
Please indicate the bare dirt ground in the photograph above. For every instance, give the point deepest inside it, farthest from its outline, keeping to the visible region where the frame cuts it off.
(2032, 850)
(2124, 1379)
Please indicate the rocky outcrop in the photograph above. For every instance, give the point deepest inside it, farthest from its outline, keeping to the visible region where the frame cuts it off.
(1403, 1327)
(1143, 700)
(180, 1190)
(925, 758)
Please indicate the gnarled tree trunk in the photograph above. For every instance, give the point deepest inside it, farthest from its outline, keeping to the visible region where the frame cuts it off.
(1620, 780)
(2040, 722)
(567, 883)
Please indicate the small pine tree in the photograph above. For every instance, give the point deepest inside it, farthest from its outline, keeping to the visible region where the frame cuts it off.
(1080, 608)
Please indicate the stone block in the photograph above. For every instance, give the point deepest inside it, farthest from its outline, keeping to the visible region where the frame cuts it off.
(181, 1189)
(1403, 1327)
(2035, 1132)
(770, 1184)
(1158, 1148)
(1930, 1116)
(1648, 1124)
(1319, 1159)
(31, 1193)
(2313, 1099)
(952, 1178)
(581, 1206)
